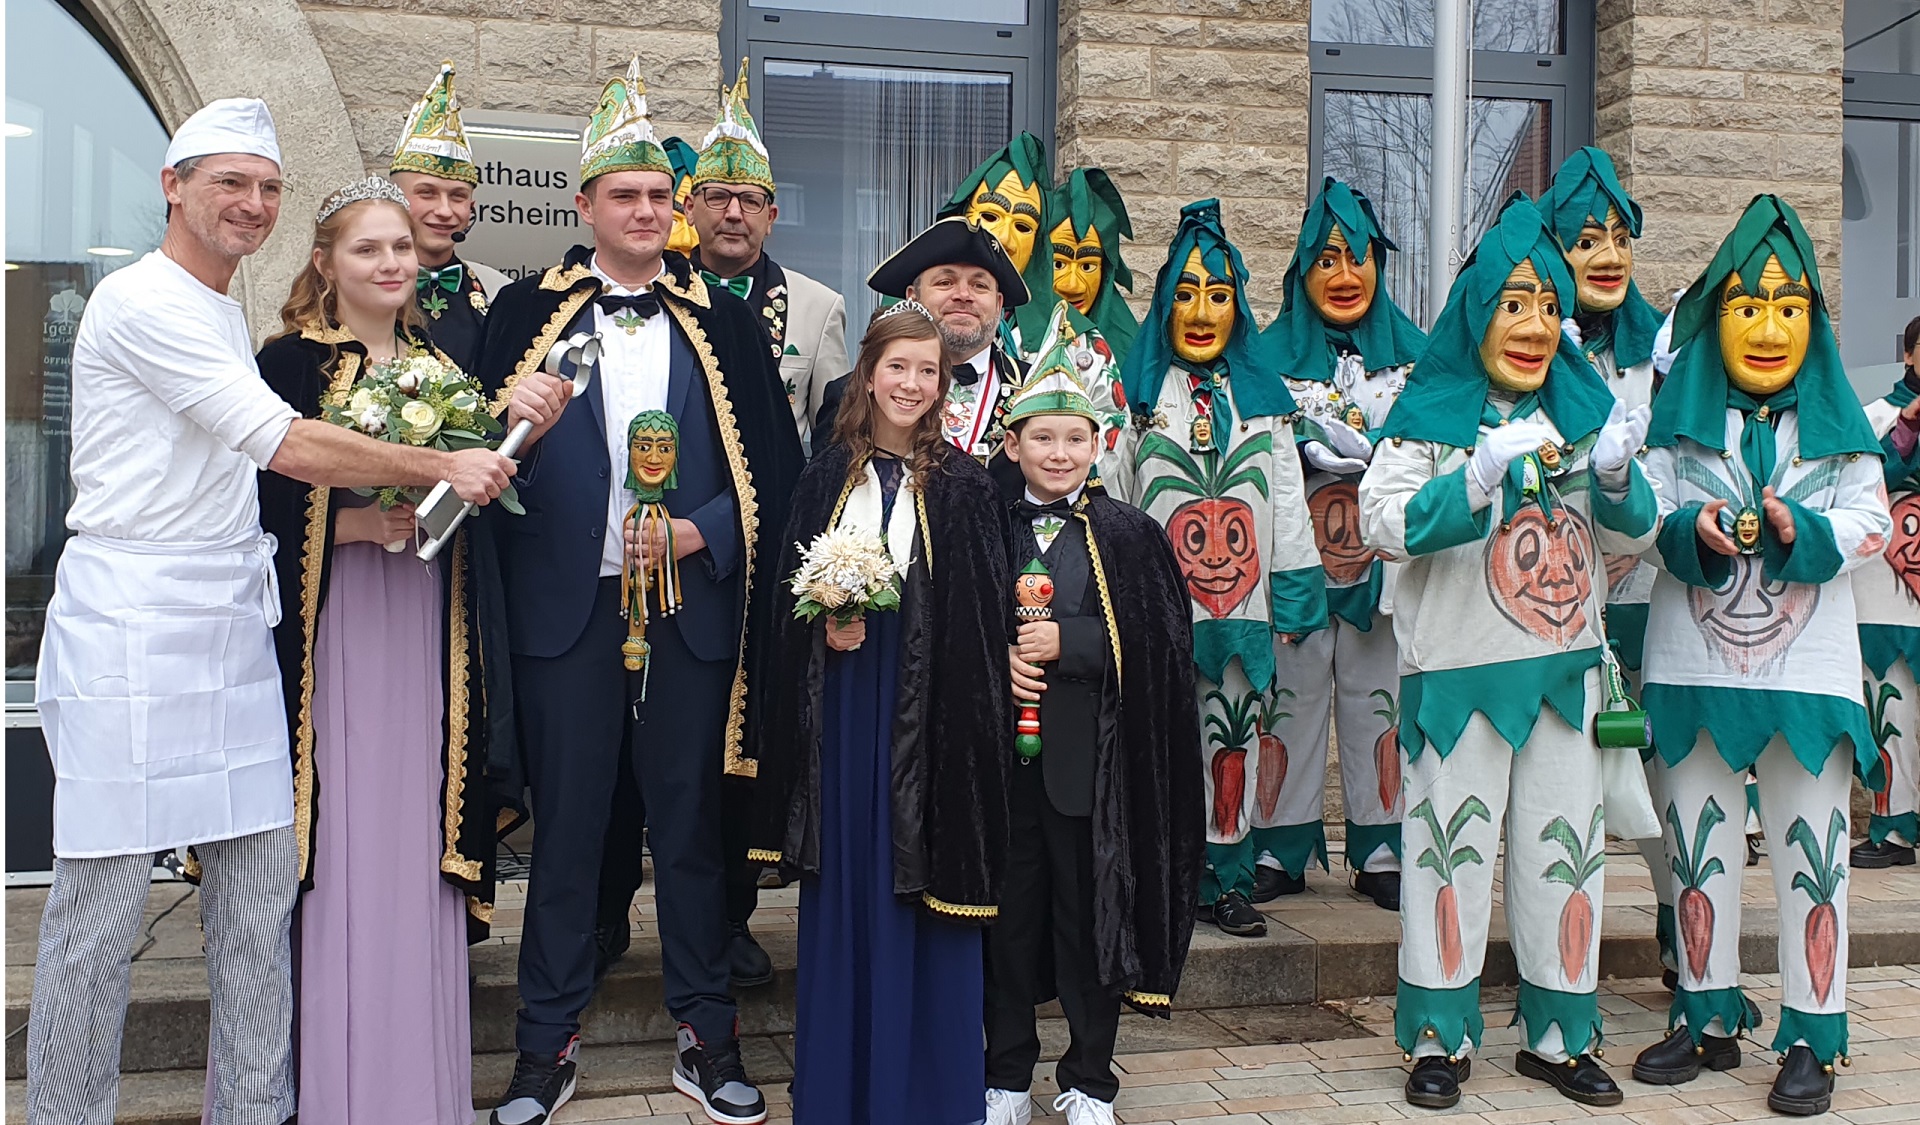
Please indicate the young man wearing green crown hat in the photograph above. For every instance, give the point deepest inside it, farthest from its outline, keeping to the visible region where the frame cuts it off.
(1506, 466)
(670, 342)
(1208, 457)
(433, 165)
(1772, 491)
(1344, 347)
(1110, 774)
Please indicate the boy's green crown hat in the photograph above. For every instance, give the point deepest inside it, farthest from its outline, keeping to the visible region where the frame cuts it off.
(1089, 202)
(1583, 190)
(1446, 391)
(619, 135)
(1692, 402)
(733, 152)
(434, 141)
(1053, 384)
(1302, 341)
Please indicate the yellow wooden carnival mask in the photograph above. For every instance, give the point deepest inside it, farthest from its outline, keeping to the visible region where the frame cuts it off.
(1763, 335)
(653, 454)
(1340, 287)
(1203, 313)
(682, 237)
(1078, 266)
(1525, 329)
(1602, 262)
(1011, 211)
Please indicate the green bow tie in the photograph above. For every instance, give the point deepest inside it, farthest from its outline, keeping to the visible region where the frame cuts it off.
(449, 278)
(738, 286)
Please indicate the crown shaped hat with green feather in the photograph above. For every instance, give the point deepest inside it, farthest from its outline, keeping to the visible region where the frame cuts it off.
(733, 152)
(1053, 384)
(433, 141)
(619, 136)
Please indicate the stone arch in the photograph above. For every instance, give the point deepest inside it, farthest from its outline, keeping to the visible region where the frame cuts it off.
(185, 53)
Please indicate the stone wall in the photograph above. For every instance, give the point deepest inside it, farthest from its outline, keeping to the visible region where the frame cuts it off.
(1704, 104)
(1184, 99)
(528, 56)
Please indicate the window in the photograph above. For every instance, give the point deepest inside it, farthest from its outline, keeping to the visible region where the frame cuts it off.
(1880, 188)
(870, 119)
(1373, 113)
(83, 199)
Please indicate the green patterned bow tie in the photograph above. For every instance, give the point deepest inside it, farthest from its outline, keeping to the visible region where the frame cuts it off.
(449, 278)
(738, 286)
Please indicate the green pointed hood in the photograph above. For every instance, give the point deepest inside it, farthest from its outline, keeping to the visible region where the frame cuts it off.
(1258, 389)
(1582, 191)
(1692, 403)
(1090, 203)
(1027, 157)
(1447, 389)
(682, 156)
(1301, 341)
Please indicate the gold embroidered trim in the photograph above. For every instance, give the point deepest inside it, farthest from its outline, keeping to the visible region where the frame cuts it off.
(926, 530)
(481, 910)
(559, 279)
(957, 910)
(542, 344)
(1148, 999)
(1106, 599)
(312, 559)
(695, 292)
(762, 855)
(321, 334)
(451, 861)
(746, 502)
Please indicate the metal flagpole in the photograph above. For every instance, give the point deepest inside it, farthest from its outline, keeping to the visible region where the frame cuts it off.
(1452, 39)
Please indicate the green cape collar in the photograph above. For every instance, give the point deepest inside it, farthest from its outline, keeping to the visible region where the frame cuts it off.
(1301, 341)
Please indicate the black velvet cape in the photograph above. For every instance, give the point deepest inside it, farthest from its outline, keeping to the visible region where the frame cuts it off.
(1149, 804)
(750, 405)
(480, 797)
(953, 723)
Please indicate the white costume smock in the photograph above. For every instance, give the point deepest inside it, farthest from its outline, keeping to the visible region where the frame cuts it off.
(1886, 596)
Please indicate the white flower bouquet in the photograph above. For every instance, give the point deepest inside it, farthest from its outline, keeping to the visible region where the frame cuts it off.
(419, 399)
(846, 572)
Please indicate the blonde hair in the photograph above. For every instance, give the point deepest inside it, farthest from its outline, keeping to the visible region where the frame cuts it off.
(313, 302)
(853, 426)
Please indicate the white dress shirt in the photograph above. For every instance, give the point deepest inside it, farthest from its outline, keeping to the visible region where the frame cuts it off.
(632, 378)
(1046, 526)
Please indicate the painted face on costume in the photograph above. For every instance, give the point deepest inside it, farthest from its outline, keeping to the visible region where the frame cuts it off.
(1339, 287)
(1203, 312)
(653, 454)
(1602, 262)
(1524, 331)
(1033, 591)
(1750, 621)
(1011, 211)
(682, 237)
(1078, 266)
(1763, 335)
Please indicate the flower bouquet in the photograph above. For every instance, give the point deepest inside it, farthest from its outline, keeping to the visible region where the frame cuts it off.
(844, 573)
(418, 399)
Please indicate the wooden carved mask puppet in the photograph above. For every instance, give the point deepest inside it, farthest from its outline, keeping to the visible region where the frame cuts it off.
(653, 466)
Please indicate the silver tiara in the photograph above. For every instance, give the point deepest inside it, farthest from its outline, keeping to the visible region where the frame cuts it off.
(373, 187)
(908, 305)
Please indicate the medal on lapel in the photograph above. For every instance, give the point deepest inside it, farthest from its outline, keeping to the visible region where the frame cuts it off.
(478, 300)
(1201, 438)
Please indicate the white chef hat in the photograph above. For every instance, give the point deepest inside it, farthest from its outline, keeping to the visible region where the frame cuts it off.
(226, 125)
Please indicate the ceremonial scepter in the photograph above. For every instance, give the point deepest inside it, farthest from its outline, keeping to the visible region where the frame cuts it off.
(1033, 590)
(653, 466)
(442, 512)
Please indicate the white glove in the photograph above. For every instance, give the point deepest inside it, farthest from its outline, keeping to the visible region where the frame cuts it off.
(1327, 461)
(1622, 437)
(1346, 440)
(1571, 328)
(1499, 446)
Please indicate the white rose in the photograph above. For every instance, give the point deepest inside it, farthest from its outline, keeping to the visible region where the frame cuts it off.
(422, 420)
(361, 401)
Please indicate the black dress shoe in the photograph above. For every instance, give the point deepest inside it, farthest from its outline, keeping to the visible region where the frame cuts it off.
(1270, 883)
(1383, 887)
(747, 963)
(1435, 1082)
(1886, 853)
(1583, 1079)
(1235, 915)
(1677, 1058)
(1669, 980)
(609, 945)
(1804, 1086)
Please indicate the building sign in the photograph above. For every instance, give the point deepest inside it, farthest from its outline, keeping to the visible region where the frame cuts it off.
(524, 218)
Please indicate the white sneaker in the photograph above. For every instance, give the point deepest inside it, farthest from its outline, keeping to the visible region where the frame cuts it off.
(1083, 1110)
(1009, 1107)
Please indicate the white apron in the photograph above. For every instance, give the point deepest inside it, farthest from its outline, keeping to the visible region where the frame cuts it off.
(159, 695)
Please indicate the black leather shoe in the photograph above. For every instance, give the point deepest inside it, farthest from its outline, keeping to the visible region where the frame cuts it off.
(609, 945)
(1804, 1086)
(1435, 1082)
(1886, 853)
(1383, 887)
(1677, 1058)
(1669, 980)
(1235, 915)
(1270, 883)
(747, 963)
(1582, 1079)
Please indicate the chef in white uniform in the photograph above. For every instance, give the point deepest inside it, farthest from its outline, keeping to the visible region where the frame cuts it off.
(157, 686)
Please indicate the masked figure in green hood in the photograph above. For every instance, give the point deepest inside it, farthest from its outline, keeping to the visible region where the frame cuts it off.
(1771, 492)
(1344, 347)
(1506, 467)
(1209, 457)
(684, 238)
(1087, 219)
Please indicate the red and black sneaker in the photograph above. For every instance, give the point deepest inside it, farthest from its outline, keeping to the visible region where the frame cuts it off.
(541, 1084)
(714, 1076)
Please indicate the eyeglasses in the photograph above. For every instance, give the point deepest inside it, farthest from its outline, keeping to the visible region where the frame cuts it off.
(719, 199)
(239, 184)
